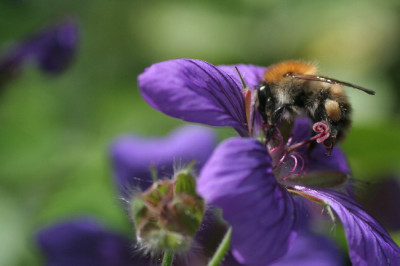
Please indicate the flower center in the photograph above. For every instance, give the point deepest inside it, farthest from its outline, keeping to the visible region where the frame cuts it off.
(288, 157)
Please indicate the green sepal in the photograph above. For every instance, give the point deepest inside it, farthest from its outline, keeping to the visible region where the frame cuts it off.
(138, 210)
(185, 183)
(187, 213)
(167, 240)
(158, 192)
(141, 216)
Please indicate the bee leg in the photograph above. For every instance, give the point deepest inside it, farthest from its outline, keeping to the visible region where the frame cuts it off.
(330, 143)
(275, 119)
(277, 114)
(330, 150)
(270, 132)
(311, 146)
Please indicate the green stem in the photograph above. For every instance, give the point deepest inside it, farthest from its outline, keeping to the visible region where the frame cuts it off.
(168, 258)
(222, 249)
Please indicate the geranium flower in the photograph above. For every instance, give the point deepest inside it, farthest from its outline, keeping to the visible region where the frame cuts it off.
(52, 49)
(84, 241)
(252, 182)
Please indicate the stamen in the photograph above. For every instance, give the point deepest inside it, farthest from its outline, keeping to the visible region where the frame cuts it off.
(296, 156)
(281, 160)
(320, 127)
(289, 141)
(293, 169)
(303, 164)
(282, 150)
(273, 150)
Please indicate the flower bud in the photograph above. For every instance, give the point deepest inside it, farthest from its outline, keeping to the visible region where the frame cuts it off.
(168, 214)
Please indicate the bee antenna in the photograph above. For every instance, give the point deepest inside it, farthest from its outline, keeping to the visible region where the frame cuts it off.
(241, 78)
(328, 80)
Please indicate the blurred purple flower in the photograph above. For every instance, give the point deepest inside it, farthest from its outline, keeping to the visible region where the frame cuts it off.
(251, 183)
(380, 200)
(84, 242)
(134, 156)
(52, 49)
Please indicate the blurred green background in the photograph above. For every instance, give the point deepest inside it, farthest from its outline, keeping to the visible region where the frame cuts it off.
(55, 131)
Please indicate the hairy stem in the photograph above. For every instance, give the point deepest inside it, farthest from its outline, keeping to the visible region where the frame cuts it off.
(168, 258)
(222, 249)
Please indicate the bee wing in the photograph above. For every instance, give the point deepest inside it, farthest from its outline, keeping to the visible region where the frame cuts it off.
(328, 80)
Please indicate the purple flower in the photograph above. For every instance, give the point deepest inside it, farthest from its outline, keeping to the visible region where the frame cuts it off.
(134, 156)
(253, 182)
(83, 242)
(52, 49)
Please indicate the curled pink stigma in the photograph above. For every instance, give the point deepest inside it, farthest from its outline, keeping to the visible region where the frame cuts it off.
(322, 128)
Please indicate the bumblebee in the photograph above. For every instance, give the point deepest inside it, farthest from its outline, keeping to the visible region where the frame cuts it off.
(293, 88)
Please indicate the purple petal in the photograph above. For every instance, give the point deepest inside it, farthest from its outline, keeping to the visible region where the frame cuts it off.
(369, 243)
(133, 156)
(309, 249)
(252, 75)
(195, 91)
(84, 242)
(238, 178)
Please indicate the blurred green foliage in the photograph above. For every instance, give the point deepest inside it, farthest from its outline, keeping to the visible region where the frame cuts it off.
(55, 131)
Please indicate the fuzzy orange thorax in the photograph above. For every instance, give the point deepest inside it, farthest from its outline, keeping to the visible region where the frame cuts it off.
(275, 72)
